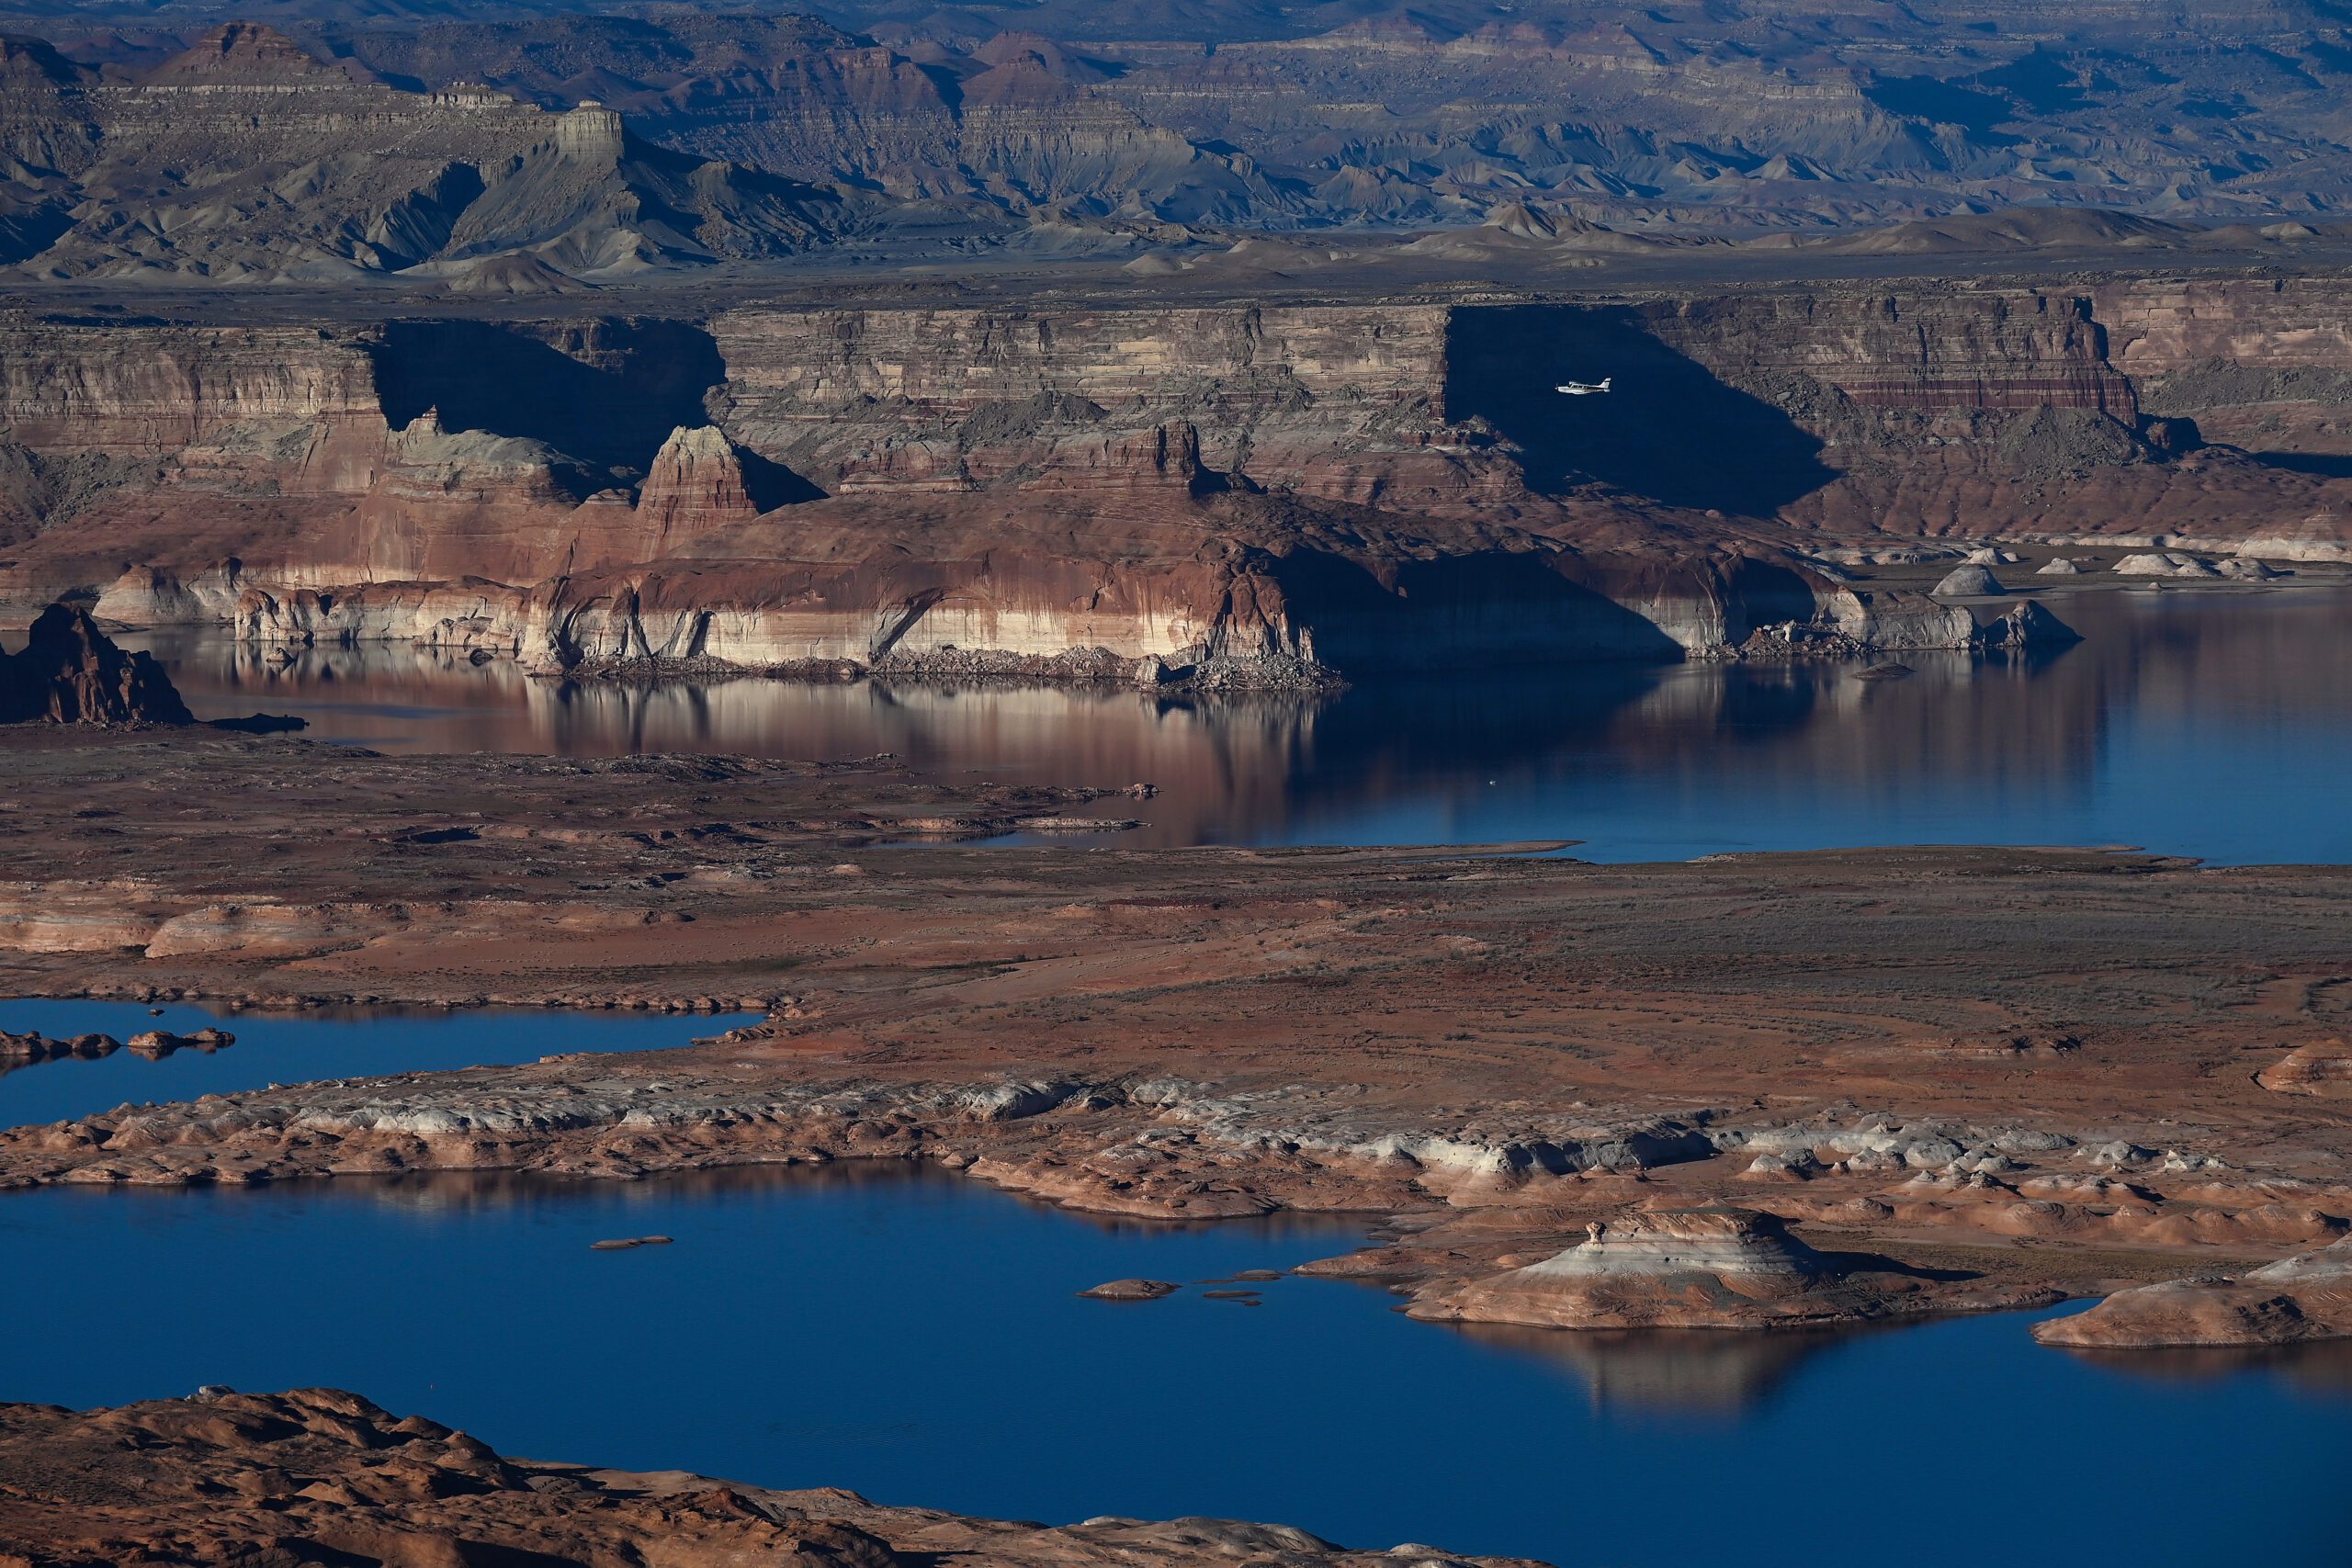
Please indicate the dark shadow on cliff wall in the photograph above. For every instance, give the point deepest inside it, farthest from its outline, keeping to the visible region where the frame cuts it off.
(1515, 608)
(2319, 465)
(1669, 430)
(769, 484)
(607, 392)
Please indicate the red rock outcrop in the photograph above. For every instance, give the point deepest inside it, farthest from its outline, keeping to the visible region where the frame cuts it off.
(2323, 1068)
(694, 486)
(71, 672)
(2303, 1298)
(152, 1043)
(320, 1475)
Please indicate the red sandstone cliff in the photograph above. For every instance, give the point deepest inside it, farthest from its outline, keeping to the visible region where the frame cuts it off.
(1041, 480)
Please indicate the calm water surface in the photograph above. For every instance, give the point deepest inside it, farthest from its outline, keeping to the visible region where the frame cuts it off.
(2196, 723)
(300, 1048)
(916, 1337)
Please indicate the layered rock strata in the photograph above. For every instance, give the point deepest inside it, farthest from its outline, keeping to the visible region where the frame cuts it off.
(1673, 120)
(1708, 1268)
(1166, 1147)
(1959, 408)
(2323, 1068)
(1396, 481)
(248, 159)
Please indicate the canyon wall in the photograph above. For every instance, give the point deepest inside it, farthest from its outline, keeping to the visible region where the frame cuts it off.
(2211, 411)
(1377, 483)
(1334, 402)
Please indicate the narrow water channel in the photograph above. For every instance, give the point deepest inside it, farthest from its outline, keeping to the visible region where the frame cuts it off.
(917, 1336)
(287, 1048)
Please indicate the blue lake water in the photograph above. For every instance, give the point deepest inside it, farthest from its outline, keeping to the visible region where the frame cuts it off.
(300, 1048)
(916, 1337)
(2190, 722)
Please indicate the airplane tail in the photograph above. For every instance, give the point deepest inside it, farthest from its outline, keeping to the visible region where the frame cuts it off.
(1605, 380)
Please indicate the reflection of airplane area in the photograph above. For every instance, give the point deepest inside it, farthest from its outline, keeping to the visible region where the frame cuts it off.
(1584, 389)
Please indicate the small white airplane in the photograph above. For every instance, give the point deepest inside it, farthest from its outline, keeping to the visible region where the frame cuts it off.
(1585, 389)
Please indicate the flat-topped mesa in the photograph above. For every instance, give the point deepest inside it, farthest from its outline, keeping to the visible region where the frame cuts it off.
(1718, 1266)
(71, 672)
(591, 133)
(1401, 479)
(2309, 1297)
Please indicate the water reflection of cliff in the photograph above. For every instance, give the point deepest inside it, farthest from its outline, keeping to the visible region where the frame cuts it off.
(1688, 1371)
(1665, 760)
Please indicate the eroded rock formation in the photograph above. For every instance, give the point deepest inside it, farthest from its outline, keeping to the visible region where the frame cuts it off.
(1662, 117)
(1394, 484)
(248, 159)
(2323, 1068)
(2296, 1299)
(71, 672)
(1703, 1268)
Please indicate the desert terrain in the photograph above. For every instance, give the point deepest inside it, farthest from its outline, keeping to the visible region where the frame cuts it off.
(1208, 354)
(2060, 1069)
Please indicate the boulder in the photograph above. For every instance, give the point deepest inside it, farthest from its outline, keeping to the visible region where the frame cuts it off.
(2028, 626)
(156, 1044)
(1968, 582)
(2163, 563)
(38, 1047)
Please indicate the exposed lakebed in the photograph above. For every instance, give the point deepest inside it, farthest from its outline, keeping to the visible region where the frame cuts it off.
(2216, 724)
(300, 1048)
(917, 1336)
